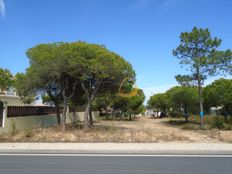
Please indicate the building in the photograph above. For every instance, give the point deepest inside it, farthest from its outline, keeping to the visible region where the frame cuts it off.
(9, 98)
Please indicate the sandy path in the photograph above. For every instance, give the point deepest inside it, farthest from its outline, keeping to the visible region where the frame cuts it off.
(158, 128)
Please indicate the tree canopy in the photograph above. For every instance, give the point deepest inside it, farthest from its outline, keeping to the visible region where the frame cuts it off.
(65, 70)
(24, 88)
(6, 79)
(183, 99)
(199, 51)
(219, 94)
(159, 102)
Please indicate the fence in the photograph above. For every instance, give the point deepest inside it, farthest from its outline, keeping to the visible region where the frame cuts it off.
(17, 111)
(23, 111)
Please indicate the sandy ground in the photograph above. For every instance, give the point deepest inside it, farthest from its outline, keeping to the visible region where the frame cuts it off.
(159, 129)
(141, 130)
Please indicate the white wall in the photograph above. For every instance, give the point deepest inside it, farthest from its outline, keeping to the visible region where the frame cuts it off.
(80, 116)
(23, 123)
(42, 121)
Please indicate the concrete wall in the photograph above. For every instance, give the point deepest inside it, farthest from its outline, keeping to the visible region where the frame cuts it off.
(23, 123)
(43, 121)
(71, 118)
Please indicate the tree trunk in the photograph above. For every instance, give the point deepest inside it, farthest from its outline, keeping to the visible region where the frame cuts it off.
(90, 97)
(113, 113)
(130, 118)
(86, 118)
(75, 117)
(55, 100)
(107, 113)
(90, 115)
(225, 113)
(121, 115)
(200, 96)
(64, 113)
(57, 113)
(185, 113)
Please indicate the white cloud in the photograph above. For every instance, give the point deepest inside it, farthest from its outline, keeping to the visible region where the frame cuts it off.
(2, 8)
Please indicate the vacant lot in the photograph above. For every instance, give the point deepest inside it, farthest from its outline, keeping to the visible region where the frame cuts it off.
(142, 129)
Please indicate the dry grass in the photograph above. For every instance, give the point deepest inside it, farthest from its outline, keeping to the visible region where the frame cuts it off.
(142, 130)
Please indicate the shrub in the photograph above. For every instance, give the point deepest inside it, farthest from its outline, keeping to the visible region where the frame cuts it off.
(28, 132)
(218, 122)
(13, 128)
(229, 121)
(175, 114)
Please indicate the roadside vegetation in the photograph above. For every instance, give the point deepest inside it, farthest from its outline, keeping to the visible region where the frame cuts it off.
(81, 74)
(210, 122)
(140, 130)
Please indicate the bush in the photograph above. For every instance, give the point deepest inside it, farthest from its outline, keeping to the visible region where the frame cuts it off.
(28, 132)
(175, 114)
(229, 121)
(218, 122)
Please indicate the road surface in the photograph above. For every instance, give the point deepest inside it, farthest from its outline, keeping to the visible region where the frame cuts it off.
(90, 164)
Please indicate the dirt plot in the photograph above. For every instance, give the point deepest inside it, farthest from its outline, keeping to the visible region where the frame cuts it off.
(143, 129)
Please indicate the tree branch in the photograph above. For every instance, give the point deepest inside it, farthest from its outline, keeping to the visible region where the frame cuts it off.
(73, 90)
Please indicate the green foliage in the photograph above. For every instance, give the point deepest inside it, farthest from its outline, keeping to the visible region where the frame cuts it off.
(24, 88)
(177, 101)
(120, 106)
(141, 110)
(99, 66)
(6, 79)
(218, 122)
(47, 100)
(219, 93)
(159, 102)
(183, 99)
(103, 103)
(185, 80)
(75, 73)
(136, 101)
(175, 113)
(210, 122)
(198, 51)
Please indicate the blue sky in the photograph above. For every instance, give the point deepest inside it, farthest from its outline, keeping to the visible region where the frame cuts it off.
(144, 32)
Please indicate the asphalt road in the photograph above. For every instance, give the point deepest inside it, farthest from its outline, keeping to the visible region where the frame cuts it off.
(114, 165)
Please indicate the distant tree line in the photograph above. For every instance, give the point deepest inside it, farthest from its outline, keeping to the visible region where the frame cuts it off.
(183, 100)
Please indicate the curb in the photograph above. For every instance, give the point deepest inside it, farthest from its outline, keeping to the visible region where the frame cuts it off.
(117, 148)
